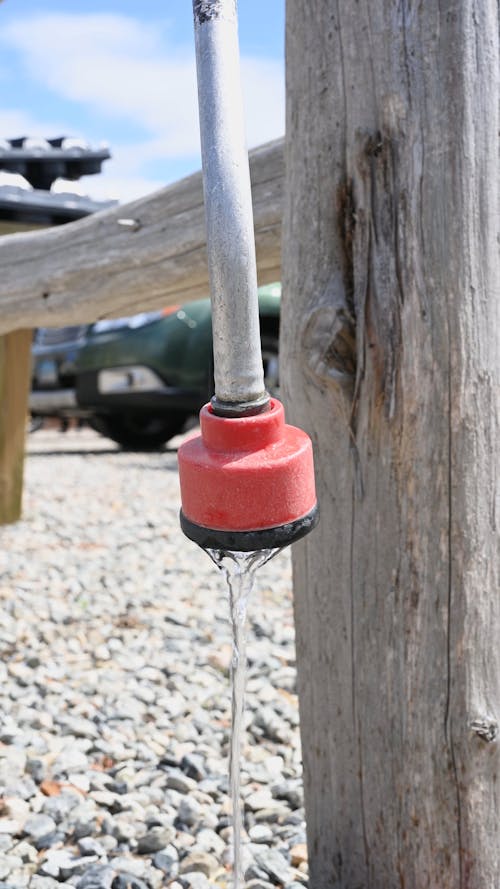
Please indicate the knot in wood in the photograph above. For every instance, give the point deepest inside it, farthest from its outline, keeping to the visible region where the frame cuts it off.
(486, 728)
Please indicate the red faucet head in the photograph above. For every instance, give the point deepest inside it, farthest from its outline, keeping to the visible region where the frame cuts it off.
(247, 483)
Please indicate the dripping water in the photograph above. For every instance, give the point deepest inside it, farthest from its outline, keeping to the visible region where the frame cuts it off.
(239, 570)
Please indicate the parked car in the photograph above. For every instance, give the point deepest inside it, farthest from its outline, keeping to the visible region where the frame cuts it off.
(136, 380)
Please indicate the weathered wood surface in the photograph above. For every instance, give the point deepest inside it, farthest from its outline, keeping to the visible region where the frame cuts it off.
(391, 358)
(15, 364)
(100, 266)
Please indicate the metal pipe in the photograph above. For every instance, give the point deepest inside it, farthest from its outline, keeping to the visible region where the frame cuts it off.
(239, 376)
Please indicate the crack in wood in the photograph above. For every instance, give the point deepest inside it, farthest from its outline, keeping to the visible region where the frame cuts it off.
(380, 196)
(356, 726)
(448, 715)
(329, 336)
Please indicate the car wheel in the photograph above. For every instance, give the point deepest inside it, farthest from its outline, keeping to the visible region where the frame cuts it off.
(139, 432)
(270, 360)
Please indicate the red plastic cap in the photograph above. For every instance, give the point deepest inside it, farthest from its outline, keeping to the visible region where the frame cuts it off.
(248, 473)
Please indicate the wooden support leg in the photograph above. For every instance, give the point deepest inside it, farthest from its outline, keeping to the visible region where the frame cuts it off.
(15, 366)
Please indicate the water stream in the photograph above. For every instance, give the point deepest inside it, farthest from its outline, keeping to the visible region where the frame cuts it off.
(239, 570)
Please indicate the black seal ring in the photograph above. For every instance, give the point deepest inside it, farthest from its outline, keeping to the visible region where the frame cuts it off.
(250, 541)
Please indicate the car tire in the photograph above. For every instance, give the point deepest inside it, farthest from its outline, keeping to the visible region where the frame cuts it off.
(139, 432)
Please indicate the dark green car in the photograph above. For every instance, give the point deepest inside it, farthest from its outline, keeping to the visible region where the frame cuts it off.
(137, 380)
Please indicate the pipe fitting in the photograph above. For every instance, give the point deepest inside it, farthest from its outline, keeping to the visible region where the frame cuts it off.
(247, 483)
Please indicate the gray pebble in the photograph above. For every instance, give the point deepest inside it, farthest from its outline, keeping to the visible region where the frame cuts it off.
(70, 760)
(260, 799)
(203, 862)
(119, 787)
(207, 840)
(155, 839)
(189, 811)
(103, 798)
(272, 814)
(260, 833)
(273, 728)
(136, 867)
(272, 863)
(254, 872)
(167, 860)
(193, 766)
(24, 789)
(38, 826)
(290, 791)
(58, 807)
(60, 863)
(54, 838)
(176, 780)
(36, 769)
(108, 842)
(90, 846)
(99, 876)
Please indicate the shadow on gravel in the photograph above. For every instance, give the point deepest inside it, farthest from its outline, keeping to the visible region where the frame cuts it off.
(84, 452)
(97, 452)
(169, 467)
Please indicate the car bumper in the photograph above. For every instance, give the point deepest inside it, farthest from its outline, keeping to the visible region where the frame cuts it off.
(133, 387)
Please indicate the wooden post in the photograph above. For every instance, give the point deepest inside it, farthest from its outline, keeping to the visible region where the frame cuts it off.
(391, 359)
(15, 366)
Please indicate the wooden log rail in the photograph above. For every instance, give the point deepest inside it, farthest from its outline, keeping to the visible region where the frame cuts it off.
(143, 255)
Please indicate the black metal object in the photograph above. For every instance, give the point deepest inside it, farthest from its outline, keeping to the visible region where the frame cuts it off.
(250, 541)
(41, 163)
(45, 207)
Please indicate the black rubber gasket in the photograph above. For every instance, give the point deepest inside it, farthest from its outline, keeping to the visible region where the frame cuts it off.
(250, 541)
(238, 409)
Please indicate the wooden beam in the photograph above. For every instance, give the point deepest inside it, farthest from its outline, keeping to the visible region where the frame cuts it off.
(15, 363)
(147, 254)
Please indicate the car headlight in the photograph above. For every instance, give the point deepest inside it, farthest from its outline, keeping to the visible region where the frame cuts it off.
(132, 321)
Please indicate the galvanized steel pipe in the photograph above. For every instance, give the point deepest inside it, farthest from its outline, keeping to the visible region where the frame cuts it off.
(239, 376)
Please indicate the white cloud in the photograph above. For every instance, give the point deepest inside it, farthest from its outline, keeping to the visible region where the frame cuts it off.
(126, 69)
(264, 99)
(123, 188)
(15, 123)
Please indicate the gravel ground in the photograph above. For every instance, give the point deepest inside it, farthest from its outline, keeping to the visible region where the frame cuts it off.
(114, 690)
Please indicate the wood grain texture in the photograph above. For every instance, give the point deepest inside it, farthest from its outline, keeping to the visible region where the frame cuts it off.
(15, 365)
(100, 267)
(391, 360)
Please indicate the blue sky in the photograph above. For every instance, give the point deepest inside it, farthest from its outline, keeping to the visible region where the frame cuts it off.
(123, 73)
